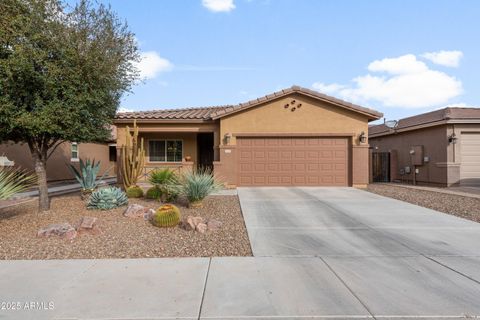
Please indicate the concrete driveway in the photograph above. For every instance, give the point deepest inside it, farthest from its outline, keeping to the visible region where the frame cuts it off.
(391, 258)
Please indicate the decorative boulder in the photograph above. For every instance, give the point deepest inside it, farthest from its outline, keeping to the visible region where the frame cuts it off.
(87, 225)
(135, 211)
(63, 230)
(191, 223)
(148, 215)
(201, 227)
(213, 224)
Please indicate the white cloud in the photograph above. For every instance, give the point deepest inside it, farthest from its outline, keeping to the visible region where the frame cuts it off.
(219, 5)
(409, 83)
(151, 64)
(400, 65)
(444, 58)
(327, 88)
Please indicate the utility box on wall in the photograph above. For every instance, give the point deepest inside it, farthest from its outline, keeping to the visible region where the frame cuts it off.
(416, 152)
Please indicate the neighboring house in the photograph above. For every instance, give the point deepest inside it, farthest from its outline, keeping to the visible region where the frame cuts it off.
(441, 147)
(66, 153)
(292, 137)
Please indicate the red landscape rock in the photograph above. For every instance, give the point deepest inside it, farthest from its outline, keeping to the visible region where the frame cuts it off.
(213, 224)
(135, 211)
(63, 230)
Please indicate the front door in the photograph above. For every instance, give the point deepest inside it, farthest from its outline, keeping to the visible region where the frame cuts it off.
(205, 151)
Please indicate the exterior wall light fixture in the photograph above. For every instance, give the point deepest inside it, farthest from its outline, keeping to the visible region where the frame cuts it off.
(362, 137)
(452, 138)
(226, 138)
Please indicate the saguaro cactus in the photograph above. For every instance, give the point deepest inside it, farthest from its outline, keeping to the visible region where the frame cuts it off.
(133, 157)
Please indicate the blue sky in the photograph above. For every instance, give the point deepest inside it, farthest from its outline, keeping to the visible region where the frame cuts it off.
(399, 57)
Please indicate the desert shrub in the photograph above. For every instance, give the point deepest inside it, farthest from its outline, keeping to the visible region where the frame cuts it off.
(166, 216)
(162, 177)
(167, 182)
(107, 198)
(154, 193)
(134, 192)
(13, 181)
(196, 185)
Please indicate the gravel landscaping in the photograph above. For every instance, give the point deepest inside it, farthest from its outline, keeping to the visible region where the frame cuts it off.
(119, 236)
(465, 207)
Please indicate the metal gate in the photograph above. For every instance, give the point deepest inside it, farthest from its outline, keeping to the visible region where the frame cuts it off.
(381, 166)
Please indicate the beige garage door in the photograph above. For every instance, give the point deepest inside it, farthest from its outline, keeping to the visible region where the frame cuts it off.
(470, 158)
(292, 161)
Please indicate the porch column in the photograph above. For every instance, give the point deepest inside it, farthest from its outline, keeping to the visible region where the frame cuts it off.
(216, 145)
(360, 166)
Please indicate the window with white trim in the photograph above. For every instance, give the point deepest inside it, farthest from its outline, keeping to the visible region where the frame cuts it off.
(74, 151)
(165, 150)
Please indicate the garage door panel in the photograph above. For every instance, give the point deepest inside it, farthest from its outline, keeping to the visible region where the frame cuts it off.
(287, 180)
(299, 167)
(293, 161)
(470, 159)
(246, 180)
(285, 155)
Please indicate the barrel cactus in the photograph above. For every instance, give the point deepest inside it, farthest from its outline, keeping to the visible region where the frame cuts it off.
(107, 198)
(154, 193)
(134, 192)
(166, 216)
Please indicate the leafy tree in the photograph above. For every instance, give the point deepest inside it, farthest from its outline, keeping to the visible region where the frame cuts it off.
(63, 71)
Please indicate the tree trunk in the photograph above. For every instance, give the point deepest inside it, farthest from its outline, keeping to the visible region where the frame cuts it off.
(39, 153)
(41, 171)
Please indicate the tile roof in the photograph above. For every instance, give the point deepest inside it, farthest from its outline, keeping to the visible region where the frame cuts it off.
(212, 113)
(200, 113)
(428, 119)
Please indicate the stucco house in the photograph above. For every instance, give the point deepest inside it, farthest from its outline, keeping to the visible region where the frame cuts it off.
(19, 156)
(441, 147)
(293, 137)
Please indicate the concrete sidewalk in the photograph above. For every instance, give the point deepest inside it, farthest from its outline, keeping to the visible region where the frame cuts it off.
(237, 288)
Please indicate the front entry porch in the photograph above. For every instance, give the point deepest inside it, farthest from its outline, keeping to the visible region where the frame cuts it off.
(179, 151)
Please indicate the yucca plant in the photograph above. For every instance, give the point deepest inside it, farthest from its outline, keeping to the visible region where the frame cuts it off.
(87, 175)
(107, 198)
(196, 185)
(14, 180)
(166, 181)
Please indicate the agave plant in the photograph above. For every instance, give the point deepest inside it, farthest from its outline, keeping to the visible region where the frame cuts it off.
(107, 198)
(87, 176)
(13, 181)
(196, 185)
